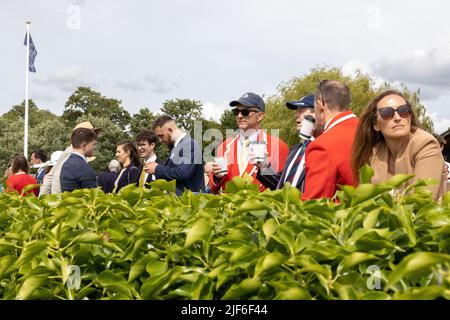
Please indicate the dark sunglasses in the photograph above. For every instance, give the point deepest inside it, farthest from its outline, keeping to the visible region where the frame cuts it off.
(387, 113)
(244, 112)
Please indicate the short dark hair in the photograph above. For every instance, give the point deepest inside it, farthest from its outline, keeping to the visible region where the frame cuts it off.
(82, 135)
(334, 93)
(147, 135)
(40, 154)
(19, 163)
(161, 121)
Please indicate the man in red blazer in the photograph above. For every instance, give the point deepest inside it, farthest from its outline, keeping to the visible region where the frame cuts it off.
(328, 156)
(249, 113)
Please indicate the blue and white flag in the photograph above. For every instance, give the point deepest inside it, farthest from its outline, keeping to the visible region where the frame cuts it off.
(32, 54)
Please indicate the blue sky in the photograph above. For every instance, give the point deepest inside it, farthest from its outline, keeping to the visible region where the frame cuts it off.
(144, 52)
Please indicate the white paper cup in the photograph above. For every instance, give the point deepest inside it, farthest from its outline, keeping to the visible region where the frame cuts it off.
(222, 161)
(259, 151)
(307, 127)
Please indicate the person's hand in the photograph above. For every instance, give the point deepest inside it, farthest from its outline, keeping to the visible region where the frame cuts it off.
(150, 167)
(216, 168)
(260, 164)
(208, 168)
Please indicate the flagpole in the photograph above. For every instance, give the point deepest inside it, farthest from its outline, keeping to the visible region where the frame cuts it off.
(25, 134)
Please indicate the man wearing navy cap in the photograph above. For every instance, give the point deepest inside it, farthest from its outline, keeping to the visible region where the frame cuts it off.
(294, 168)
(249, 111)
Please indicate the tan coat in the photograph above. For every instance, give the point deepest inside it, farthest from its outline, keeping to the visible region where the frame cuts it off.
(420, 154)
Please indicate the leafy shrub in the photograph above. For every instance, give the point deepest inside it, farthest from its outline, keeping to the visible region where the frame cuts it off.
(374, 243)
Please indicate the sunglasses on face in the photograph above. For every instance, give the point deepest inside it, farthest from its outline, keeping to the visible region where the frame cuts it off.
(244, 112)
(387, 113)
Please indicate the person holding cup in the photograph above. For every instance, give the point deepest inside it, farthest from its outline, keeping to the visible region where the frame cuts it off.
(293, 171)
(233, 158)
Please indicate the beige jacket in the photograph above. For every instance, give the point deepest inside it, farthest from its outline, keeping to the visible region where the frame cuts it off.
(420, 154)
(51, 183)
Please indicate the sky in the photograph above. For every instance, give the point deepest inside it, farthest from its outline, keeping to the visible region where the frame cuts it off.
(145, 52)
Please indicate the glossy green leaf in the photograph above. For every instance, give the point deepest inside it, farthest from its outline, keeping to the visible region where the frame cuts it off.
(416, 264)
(199, 231)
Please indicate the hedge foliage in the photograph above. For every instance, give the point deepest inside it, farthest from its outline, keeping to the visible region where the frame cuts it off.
(374, 242)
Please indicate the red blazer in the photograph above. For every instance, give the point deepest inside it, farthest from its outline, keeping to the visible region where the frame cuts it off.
(276, 148)
(19, 181)
(328, 158)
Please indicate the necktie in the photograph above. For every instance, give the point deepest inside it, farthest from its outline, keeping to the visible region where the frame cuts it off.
(243, 156)
(295, 166)
(142, 178)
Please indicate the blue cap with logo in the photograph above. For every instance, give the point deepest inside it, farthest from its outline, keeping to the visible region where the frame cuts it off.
(304, 102)
(250, 99)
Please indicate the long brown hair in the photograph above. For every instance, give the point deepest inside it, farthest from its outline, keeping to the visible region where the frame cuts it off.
(366, 138)
(129, 146)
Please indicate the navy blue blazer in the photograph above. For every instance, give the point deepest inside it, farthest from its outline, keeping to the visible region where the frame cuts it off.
(76, 173)
(129, 176)
(185, 165)
(106, 180)
(274, 180)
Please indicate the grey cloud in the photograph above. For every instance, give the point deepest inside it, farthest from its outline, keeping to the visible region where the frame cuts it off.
(67, 79)
(159, 84)
(130, 85)
(429, 70)
(150, 82)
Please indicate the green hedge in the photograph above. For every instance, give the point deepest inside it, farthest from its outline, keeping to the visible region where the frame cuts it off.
(374, 243)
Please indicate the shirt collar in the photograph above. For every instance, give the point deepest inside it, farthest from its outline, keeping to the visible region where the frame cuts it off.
(80, 155)
(151, 159)
(253, 137)
(337, 117)
(179, 139)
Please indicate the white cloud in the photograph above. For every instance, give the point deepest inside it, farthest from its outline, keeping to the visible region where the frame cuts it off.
(352, 66)
(212, 110)
(440, 124)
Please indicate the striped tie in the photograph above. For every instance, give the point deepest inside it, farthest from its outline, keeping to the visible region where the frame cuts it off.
(294, 168)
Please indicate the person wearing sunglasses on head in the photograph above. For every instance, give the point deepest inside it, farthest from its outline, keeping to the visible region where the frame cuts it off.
(236, 151)
(327, 158)
(389, 138)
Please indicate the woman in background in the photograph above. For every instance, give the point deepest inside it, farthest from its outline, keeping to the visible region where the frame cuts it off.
(390, 140)
(20, 178)
(128, 157)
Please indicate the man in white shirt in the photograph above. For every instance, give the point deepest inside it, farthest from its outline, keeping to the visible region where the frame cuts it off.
(146, 143)
(185, 163)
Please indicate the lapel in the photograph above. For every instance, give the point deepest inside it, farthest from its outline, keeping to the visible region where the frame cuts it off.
(289, 159)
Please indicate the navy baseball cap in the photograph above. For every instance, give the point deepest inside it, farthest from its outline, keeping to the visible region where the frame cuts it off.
(305, 102)
(250, 99)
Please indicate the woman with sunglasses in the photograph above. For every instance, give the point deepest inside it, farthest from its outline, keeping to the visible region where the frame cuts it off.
(390, 140)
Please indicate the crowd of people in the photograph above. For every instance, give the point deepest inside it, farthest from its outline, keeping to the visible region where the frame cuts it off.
(334, 144)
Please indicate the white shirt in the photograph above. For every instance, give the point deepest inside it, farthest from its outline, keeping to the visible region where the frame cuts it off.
(179, 139)
(150, 160)
(251, 138)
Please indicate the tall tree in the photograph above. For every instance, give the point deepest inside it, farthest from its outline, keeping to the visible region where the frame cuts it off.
(143, 119)
(362, 88)
(85, 101)
(183, 111)
(35, 115)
